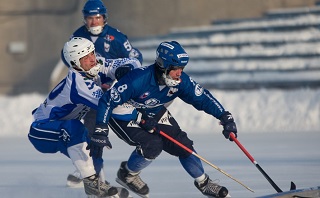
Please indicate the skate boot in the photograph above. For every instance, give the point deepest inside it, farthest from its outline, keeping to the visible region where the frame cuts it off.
(92, 186)
(74, 181)
(132, 181)
(210, 189)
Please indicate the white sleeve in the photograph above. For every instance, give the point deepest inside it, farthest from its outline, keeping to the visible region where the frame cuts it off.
(111, 65)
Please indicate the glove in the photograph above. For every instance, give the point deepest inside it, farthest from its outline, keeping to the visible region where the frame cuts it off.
(147, 123)
(123, 70)
(229, 126)
(98, 140)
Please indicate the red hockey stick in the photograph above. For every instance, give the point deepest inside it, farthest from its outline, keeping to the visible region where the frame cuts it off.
(201, 158)
(274, 185)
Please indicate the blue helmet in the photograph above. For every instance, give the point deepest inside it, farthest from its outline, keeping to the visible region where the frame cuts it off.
(94, 7)
(171, 54)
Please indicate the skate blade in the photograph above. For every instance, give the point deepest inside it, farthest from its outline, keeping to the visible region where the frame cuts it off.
(95, 196)
(228, 195)
(127, 187)
(71, 184)
(123, 193)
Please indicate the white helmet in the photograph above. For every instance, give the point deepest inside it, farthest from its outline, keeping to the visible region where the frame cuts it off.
(77, 48)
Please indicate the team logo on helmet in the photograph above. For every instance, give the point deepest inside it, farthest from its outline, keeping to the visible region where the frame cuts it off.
(167, 45)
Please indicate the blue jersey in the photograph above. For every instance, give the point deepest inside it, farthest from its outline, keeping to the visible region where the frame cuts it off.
(73, 97)
(110, 43)
(140, 89)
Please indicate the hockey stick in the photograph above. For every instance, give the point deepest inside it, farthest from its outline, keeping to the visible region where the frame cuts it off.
(201, 158)
(274, 185)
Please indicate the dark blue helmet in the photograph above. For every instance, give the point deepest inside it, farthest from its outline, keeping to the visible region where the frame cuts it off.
(94, 7)
(171, 54)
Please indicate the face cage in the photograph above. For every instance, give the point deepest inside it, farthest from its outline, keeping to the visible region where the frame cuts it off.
(167, 78)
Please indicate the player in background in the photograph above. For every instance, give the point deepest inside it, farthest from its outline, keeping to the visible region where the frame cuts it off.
(109, 43)
(57, 125)
(148, 89)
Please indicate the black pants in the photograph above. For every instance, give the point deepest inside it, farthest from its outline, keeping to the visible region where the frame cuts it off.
(150, 145)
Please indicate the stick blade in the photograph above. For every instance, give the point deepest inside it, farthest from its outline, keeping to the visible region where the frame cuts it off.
(293, 186)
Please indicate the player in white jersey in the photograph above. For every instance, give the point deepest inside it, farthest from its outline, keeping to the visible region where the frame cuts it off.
(57, 125)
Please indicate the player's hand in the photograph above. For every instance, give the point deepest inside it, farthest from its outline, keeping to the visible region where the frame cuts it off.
(122, 71)
(147, 123)
(229, 126)
(98, 141)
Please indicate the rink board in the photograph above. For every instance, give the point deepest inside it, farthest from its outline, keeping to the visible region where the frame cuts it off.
(306, 192)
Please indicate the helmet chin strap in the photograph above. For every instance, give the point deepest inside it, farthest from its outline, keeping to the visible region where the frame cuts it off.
(93, 71)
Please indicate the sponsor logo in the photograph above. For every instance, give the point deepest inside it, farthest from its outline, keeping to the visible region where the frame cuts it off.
(144, 95)
(152, 102)
(93, 11)
(115, 96)
(198, 90)
(106, 47)
(184, 55)
(109, 38)
(65, 136)
(230, 117)
(167, 45)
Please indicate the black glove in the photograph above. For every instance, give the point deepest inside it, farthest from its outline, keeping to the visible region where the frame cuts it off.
(147, 123)
(229, 126)
(98, 140)
(123, 70)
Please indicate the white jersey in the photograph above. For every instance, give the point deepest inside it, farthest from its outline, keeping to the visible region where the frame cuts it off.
(73, 97)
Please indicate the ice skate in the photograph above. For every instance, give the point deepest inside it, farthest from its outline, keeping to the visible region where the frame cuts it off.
(93, 186)
(74, 181)
(131, 181)
(211, 189)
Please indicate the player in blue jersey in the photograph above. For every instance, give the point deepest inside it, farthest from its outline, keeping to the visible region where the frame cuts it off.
(57, 125)
(109, 43)
(148, 89)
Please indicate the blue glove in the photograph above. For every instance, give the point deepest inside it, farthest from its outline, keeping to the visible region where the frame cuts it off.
(229, 126)
(147, 123)
(98, 140)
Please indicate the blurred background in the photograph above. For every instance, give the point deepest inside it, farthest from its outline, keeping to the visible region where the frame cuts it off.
(247, 38)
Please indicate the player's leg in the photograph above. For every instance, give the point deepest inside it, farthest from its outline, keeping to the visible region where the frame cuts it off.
(69, 137)
(148, 147)
(189, 162)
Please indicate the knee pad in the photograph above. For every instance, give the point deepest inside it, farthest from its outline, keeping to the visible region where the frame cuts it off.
(177, 150)
(151, 149)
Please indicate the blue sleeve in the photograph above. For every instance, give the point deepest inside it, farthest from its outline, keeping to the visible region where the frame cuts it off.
(194, 94)
(120, 93)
